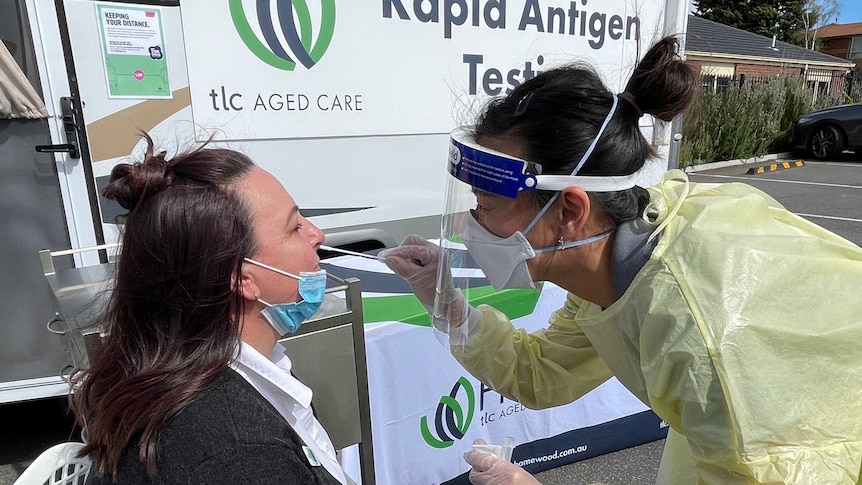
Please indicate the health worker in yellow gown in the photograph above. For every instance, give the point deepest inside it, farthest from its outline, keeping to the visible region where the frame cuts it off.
(736, 321)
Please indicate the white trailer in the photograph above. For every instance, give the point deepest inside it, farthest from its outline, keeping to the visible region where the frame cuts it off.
(348, 103)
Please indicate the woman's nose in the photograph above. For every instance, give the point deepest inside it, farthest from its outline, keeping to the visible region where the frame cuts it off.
(315, 235)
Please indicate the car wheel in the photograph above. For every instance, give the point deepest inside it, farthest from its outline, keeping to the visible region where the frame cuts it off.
(825, 143)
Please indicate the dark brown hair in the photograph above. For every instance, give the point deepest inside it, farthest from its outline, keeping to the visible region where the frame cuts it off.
(172, 320)
(556, 115)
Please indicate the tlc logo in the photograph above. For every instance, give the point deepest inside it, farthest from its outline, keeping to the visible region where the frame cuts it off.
(450, 423)
(294, 21)
(455, 411)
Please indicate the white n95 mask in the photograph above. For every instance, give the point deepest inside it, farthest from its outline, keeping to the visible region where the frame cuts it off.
(503, 260)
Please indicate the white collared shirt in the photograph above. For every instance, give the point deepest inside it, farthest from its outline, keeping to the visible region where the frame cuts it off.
(272, 378)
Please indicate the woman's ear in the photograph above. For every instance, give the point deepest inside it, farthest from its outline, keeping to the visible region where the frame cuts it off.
(247, 284)
(574, 204)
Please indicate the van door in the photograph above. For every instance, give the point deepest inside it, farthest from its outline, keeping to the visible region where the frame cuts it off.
(32, 218)
(127, 67)
(50, 196)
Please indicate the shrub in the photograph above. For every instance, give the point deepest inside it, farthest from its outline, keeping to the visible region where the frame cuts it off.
(746, 121)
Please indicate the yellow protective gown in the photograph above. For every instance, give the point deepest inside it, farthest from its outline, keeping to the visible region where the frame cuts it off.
(742, 331)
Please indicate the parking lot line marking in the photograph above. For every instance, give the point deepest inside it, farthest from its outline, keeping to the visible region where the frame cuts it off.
(838, 164)
(775, 180)
(849, 219)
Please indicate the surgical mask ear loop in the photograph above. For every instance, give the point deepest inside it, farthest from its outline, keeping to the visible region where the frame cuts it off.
(265, 303)
(561, 245)
(312, 285)
(271, 268)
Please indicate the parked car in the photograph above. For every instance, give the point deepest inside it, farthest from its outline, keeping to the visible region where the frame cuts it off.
(825, 133)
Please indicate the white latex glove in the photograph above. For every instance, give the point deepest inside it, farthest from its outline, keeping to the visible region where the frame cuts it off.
(415, 260)
(489, 469)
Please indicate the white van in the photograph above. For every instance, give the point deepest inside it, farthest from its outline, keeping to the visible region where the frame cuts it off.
(348, 103)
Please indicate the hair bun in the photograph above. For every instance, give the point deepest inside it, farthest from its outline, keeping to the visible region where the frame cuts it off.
(663, 84)
(132, 183)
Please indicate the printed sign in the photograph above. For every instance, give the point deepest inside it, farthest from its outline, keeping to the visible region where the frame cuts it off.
(320, 68)
(133, 46)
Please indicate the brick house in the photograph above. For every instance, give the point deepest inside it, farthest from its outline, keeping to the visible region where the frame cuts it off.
(842, 40)
(724, 52)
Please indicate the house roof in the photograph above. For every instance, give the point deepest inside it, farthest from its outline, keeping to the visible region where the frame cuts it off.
(839, 30)
(719, 40)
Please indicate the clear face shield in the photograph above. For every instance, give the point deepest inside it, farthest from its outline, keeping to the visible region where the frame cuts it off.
(482, 188)
(484, 246)
(481, 198)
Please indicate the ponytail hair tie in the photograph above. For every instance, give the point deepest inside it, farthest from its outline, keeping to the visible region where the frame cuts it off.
(160, 159)
(521, 108)
(630, 99)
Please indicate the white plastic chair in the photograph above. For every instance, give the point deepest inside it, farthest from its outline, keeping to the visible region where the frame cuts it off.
(58, 465)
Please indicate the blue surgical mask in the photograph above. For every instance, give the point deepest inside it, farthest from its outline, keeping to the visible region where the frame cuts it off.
(286, 318)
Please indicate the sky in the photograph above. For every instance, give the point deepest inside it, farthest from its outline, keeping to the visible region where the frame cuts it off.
(851, 11)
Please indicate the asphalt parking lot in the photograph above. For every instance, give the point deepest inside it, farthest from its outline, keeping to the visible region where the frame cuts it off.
(826, 193)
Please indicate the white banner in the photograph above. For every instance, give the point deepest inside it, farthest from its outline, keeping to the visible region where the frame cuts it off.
(426, 410)
(312, 68)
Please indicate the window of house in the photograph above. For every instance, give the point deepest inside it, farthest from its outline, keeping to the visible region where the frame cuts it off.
(716, 75)
(819, 81)
(856, 47)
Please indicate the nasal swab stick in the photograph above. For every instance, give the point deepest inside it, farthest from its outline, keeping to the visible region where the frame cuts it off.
(352, 253)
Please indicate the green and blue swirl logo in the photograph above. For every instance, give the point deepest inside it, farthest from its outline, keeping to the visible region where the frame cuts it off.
(450, 421)
(293, 20)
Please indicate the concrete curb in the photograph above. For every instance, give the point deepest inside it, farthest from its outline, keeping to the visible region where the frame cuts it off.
(772, 167)
(740, 161)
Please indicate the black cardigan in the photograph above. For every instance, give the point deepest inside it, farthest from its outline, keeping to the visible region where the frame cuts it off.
(229, 435)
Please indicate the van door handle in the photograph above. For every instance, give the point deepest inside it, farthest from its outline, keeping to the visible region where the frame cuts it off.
(69, 148)
(70, 122)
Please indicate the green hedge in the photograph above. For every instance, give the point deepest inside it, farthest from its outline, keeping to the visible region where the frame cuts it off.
(742, 122)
